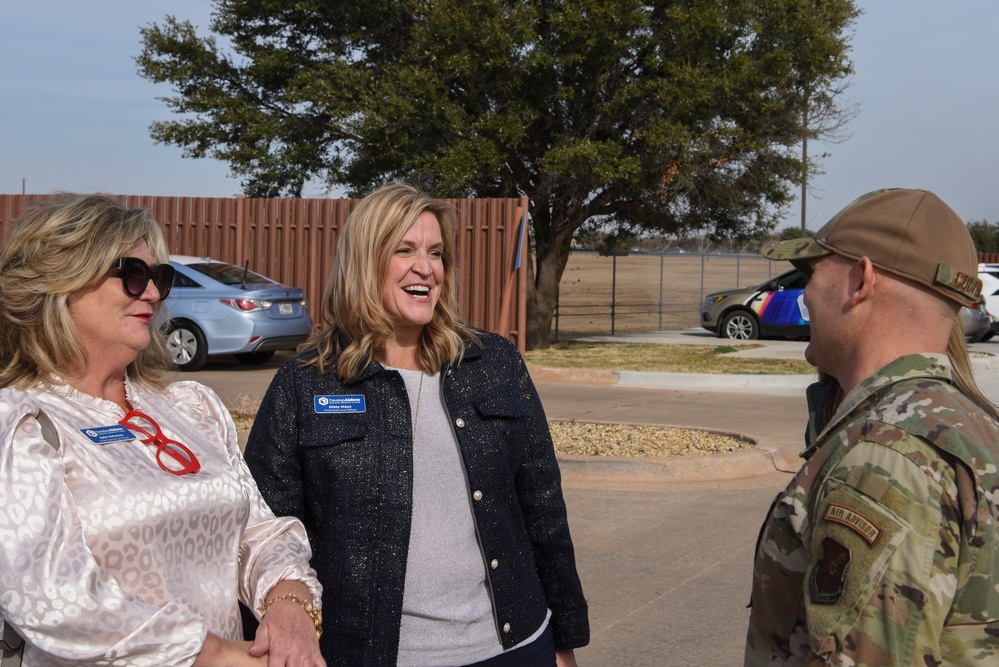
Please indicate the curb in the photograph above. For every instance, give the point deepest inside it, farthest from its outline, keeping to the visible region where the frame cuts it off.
(985, 362)
(760, 459)
(748, 462)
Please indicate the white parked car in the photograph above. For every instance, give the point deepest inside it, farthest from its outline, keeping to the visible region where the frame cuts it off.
(989, 275)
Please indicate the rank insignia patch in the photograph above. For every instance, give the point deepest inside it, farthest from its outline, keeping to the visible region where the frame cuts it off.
(828, 579)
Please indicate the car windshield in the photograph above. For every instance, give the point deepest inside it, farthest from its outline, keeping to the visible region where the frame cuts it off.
(229, 274)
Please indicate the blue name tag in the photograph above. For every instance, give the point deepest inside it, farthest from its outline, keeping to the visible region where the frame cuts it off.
(338, 405)
(101, 435)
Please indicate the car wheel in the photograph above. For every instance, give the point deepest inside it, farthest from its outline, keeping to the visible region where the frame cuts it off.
(187, 346)
(988, 336)
(254, 358)
(740, 325)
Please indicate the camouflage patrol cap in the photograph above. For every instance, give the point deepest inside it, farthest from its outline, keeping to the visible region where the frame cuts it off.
(911, 233)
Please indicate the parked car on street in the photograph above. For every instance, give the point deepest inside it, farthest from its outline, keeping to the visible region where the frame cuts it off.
(776, 308)
(218, 308)
(772, 308)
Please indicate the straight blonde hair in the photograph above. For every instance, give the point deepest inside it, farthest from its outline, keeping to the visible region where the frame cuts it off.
(356, 323)
(962, 372)
(56, 250)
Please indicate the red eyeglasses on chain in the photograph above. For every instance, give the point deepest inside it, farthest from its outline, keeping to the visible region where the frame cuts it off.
(180, 459)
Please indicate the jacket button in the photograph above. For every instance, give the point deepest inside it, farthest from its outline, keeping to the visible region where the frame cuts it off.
(459, 422)
(494, 563)
(477, 495)
(506, 627)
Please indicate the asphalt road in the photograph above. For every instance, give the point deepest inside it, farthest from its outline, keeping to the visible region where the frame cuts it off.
(665, 561)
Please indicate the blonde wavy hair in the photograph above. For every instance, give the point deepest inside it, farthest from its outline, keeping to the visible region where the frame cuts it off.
(356, 323)
(57, 249)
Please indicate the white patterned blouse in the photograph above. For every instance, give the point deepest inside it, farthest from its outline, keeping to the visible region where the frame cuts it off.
(106, 558)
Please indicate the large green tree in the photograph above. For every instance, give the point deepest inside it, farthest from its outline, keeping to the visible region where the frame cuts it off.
(676, 115)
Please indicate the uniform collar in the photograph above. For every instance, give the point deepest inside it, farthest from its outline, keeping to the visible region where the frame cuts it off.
(929, 365)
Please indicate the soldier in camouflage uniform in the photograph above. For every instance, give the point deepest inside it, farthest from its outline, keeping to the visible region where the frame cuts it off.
(883, 548)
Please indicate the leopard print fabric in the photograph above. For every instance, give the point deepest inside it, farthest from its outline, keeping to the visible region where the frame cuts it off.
(105, 558)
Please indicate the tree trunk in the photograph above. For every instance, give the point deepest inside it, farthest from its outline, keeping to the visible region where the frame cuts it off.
(545, 265)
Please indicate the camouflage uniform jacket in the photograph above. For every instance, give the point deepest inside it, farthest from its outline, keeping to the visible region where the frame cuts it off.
(883, 548)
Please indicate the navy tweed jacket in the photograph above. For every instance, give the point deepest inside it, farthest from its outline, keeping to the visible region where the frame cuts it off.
(349, 478)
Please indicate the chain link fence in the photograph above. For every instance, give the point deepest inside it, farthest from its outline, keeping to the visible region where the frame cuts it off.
(641, 292)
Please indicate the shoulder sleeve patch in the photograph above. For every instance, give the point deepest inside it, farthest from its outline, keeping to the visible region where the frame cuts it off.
(853, 538)
(828, 579)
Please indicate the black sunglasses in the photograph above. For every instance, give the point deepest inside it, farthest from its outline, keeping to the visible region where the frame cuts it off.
(135, 275)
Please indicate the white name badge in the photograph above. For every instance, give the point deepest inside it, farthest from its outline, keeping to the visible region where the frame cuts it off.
(339, 405)
(101, 435)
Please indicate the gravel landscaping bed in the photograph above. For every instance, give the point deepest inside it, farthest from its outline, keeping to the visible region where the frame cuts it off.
(627, 440)
(586, 439)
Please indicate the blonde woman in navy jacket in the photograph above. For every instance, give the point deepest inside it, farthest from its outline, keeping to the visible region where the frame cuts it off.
(417, 454)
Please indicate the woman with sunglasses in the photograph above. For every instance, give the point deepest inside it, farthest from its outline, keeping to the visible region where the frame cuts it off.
(416, 451)
(130, 527)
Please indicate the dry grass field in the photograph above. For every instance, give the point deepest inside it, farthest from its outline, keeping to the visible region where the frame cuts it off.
(639, 292)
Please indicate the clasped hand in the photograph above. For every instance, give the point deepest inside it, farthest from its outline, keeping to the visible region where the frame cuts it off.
(286, 638)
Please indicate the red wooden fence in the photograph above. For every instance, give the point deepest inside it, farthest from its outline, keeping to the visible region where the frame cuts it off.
(292, 241)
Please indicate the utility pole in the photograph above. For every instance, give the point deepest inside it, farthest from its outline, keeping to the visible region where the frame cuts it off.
(804, 164)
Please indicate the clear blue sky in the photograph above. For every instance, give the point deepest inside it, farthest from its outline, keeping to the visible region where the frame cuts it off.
(74, 114)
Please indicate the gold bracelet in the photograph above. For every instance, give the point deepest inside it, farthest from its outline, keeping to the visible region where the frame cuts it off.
(312, 611)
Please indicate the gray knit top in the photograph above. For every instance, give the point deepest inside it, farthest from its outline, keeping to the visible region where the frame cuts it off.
(447, 615)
